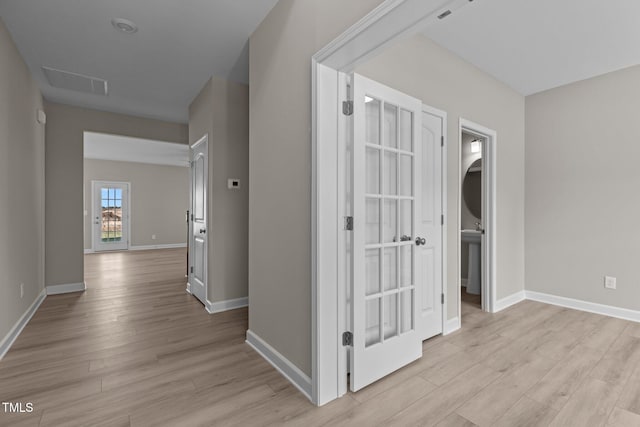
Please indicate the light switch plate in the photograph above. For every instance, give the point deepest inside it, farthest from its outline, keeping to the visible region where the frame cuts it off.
(609, 282)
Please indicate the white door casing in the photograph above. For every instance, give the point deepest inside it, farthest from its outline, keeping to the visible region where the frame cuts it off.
(110, 215)
(386, 206)
(198, 225)
(430, 226)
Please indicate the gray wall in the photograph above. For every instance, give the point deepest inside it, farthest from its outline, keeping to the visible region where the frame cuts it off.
(21, 186)
(221, 110)
(582, 176)
(280, 162)
(441, 79)
(159, 199)
(64, 178)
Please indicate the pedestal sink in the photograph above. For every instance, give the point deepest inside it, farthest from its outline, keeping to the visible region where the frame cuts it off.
(473, 238)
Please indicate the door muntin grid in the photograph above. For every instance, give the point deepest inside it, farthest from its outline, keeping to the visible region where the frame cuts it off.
(389, 221)
(111, 214)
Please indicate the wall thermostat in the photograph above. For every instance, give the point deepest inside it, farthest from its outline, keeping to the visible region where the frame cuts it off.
(233, 184)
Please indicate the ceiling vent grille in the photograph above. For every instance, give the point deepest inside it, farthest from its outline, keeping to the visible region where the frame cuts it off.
(74, 81)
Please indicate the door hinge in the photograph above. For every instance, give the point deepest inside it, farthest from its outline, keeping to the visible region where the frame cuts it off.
(347, 108)
(191, 269)
(348, 223)
(441, 219)
(347, 339)
(442, 140)
(441, 298)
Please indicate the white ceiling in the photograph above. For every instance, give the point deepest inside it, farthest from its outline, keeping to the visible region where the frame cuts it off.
(531, 45)
(155, 72)
(103, 146)
(534, 45)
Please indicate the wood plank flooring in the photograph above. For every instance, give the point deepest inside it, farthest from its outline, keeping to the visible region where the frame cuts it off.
(136, 350)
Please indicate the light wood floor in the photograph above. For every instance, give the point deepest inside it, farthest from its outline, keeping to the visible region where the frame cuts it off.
(135, 349)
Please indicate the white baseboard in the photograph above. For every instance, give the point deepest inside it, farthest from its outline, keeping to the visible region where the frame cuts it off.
(512, 299)
(66, 288)
(591, 307)
(189, 288)
(291, 372)
(150, 247)
(230, 304)
(451, 325)
(88, 251)
(10, 338)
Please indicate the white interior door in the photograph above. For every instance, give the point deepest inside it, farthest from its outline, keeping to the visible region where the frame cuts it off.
(386, 205)
(198, 228)
(110, 216)
(429, 256)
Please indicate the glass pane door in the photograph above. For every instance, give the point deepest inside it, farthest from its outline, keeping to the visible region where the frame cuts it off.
(110, 215)
(385, 207)
(389, 228)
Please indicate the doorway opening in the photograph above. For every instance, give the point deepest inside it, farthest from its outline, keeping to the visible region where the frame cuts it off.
(136, 195)
(110, 215)
(476, 217)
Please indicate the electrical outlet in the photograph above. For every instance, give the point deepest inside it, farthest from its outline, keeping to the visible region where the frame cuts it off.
(153, 237)
(21, 290)
(609, 282)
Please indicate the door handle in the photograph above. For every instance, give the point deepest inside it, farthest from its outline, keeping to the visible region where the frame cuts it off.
(203, 231)
(421, 241)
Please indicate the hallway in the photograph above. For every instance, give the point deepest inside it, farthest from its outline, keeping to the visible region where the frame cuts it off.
(134, 344)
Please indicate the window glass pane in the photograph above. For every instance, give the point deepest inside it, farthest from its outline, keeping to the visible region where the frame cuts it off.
(372, 322)
(390, 221)
(372, 126)
(406, 264)
(390, 177)
(390, 272)
(372, 271)
(390, 316)
(406, 223)
(372, 221)
(406, 175)
(406, 130)
(390, 125)
(406, 310)
(372, 177)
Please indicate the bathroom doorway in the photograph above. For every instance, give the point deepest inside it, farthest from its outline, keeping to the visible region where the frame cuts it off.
(476, 217)
(471, 227)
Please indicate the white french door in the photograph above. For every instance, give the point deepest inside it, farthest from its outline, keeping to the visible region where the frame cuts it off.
(110, 215)
(386, 241)
(198, 224)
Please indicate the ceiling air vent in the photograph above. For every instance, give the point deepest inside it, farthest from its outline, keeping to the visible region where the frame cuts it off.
(74, 81)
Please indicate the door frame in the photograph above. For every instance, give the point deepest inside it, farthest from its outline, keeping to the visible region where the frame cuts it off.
(390, 21)
(203, 139)
(489, 207)
(94, 200)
